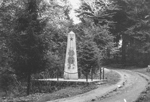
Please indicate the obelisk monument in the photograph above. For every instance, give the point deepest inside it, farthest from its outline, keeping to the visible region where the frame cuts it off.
(71, 69)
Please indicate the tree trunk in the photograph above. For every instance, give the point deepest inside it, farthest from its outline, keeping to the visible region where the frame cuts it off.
(147, 59)
(108, 53)
(79, 72)
(91, 74)
(103, 73)
(124, 43)
(28, 83)
(57, 73)
(86, 77)
(100, 73)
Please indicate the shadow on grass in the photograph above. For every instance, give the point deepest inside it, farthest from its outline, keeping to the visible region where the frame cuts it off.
(72, 90)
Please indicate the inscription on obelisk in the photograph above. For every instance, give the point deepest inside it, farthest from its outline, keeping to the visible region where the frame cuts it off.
(71, 69)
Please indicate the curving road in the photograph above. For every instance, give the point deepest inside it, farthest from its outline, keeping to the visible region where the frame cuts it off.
(127, 89)
(131, 90)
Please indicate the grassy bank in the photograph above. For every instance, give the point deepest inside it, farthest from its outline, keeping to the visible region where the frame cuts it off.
(69, 91)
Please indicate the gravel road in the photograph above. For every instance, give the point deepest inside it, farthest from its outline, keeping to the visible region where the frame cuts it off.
(127, 89)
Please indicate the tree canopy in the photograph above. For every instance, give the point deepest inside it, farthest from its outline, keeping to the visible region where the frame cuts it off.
(33, 35)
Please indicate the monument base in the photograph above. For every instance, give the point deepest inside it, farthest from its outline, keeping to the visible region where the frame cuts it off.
(70, 75)
(69, 80)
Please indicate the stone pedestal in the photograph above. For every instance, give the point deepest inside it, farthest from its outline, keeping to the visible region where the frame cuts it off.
(71, 69)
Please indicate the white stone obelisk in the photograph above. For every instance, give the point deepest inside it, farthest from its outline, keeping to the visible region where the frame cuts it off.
(71, 69)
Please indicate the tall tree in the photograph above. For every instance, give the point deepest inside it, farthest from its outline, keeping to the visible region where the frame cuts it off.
(132, 23)
(28, 43)
(88, 58)
(139, 32)
(96, 17)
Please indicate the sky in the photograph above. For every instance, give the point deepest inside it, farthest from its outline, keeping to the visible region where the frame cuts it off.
(75, 5)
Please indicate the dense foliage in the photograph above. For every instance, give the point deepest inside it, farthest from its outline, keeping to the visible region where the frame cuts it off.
(132, 27)
(33, 35)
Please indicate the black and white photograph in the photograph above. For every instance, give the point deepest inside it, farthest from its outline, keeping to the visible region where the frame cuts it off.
(74, 50)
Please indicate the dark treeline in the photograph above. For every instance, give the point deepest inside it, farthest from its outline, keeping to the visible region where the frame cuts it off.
(33, 38)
